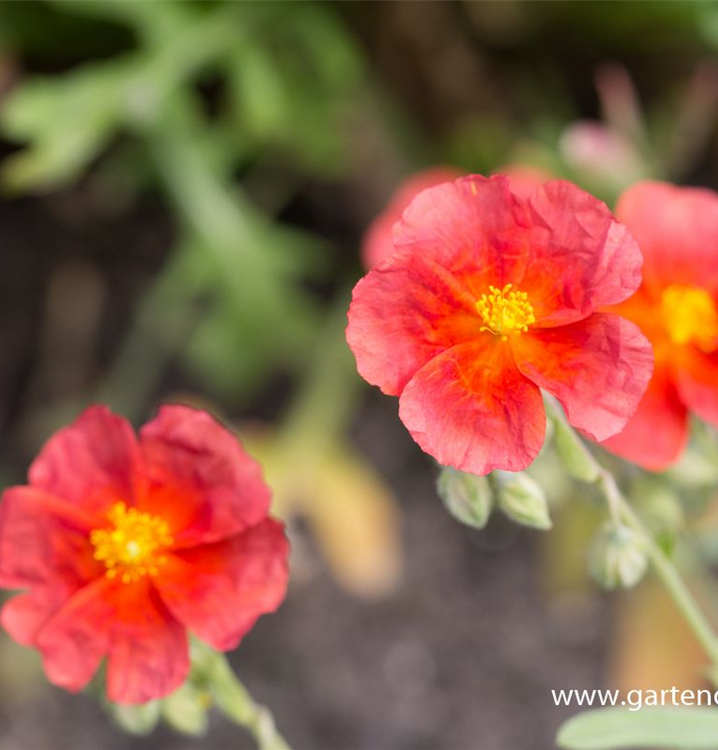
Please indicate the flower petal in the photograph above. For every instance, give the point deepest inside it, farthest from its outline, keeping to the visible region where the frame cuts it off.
(44, 540)
(677, 230)
(474, 227)
(582, 258)
(94, 462)
(697, 381)
(597, 368)
(657, 433)
(200, 479)
(402, 314)
(74, 641)
(377, 243)
(24, 615)
(219, 590)
(149, 653)
(470, 408)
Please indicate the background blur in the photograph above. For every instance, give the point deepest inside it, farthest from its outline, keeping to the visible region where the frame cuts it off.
(185, 190)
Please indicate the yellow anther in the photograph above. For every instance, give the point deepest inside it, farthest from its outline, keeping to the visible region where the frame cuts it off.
(690, 316)
(505, 312)
(132, 547)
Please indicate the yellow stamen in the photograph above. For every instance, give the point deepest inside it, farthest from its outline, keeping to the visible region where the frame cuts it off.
(505, 311)
(132, 547)
(690, 316)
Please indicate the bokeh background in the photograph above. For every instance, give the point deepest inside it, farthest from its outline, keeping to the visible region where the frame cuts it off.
(186, 186)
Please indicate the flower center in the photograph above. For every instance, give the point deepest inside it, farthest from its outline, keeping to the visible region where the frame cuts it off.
(132, 547)
(690, 316)
(504, 311)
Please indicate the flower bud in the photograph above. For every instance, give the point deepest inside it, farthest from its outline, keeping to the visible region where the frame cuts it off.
(617, 557)
(141, 719)
(522, 499)
(466, 496)
(573, 453)
(186, 709)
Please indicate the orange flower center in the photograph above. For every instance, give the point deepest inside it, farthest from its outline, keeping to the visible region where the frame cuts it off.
(504, 311)
(690, 316)
(132, 547)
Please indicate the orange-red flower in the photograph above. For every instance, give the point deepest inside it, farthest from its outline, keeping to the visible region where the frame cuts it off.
(489, 298)
(378, 242)
(124, 544)
(677, 308)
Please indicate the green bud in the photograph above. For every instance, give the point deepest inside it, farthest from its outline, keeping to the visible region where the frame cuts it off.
(140, 719)
(573, 453)
(617, 557)
(522, 499)
(186, 709)
(466, 496)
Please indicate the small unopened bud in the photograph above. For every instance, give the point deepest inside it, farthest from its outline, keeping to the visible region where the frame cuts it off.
(186, 709)
(466, 496)
(522, 499)
(573, 453)
(139, 720)
(617, 557)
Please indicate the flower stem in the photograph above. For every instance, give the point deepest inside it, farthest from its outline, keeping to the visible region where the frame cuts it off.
(621, 511)
(234, 700)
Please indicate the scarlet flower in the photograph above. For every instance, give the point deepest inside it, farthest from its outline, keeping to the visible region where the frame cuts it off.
(124, 544)
(378, 244)
(677, 308)
(487, 299)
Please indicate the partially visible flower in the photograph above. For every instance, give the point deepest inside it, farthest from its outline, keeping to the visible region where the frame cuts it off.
(487, 299)
(378, 243)
(677, 308)
(125, 544)
(601, 155)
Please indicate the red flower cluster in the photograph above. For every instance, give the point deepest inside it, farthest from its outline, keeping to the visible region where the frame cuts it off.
(489, 298)
(677, 308)
(124, 544)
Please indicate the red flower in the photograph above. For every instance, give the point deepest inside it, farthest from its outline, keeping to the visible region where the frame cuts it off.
(677, 308)
(490, 298)
(124, 544)
(378, 244)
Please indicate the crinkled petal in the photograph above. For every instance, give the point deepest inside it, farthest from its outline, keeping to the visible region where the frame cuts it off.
(582, 258)
(377, 243)
(657, 433)
(402, 314)
(24, 615)
(597, 368)
(677, 230)
(219, 590)
(472, 409)
(94, 462)
(474, 227)
(74, 641)
(200, 479)
(44, 540)
(697, 381)
(148, 652)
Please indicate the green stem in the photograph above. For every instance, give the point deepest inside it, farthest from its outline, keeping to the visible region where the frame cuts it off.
(234, 700)
(621, 511)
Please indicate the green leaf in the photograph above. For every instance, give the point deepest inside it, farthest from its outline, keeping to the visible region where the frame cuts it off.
(682, 728)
